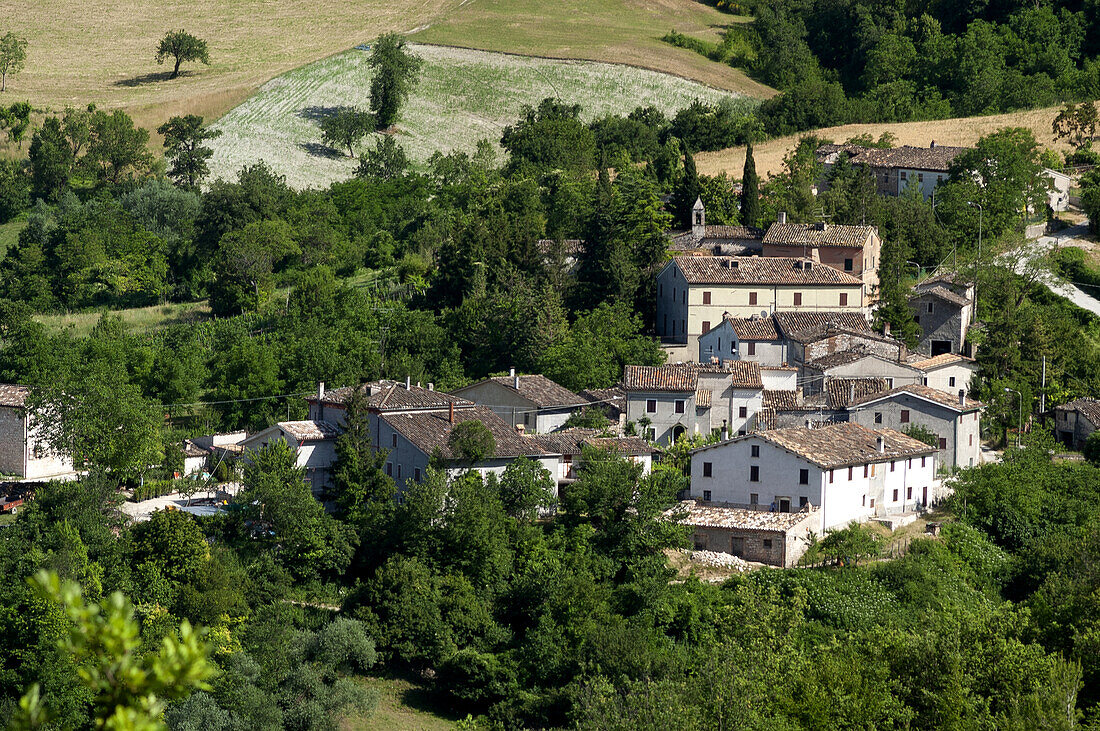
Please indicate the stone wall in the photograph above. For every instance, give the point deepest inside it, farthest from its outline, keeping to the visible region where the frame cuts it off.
(12, 441)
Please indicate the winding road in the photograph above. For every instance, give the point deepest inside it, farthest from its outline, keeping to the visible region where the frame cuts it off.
(1039, 247)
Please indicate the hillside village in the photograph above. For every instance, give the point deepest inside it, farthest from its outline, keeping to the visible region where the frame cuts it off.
(396, 367)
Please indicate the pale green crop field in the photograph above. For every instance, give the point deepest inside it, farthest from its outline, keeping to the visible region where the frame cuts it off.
(462, 96)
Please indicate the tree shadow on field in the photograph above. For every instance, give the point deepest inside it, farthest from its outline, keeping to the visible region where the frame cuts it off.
(319, 150)
(319, 113)
(154, 77)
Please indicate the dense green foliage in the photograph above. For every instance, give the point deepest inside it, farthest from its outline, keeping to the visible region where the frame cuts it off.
(395, 73)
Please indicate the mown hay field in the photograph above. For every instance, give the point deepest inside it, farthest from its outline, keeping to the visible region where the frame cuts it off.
(101, 51)
(462, 96)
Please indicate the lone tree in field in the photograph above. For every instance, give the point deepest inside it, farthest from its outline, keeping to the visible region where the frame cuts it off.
(181, 46)
(183, 145)
(13, 54)
(346, 127)
(395, 73)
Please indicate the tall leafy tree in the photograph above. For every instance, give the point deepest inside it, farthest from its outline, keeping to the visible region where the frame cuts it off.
(395, 73)
(183, 145)
(117, 149)
(13, 55)
(181, 46)
(750, 190)
(51, 160)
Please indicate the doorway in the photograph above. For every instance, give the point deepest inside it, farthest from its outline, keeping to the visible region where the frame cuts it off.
(784, 504)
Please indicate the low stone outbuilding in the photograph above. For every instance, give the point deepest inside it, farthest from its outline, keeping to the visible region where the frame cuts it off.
(1076, 420)
(776, 539)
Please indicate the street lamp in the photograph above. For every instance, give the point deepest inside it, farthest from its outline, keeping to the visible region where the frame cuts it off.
(1020, 422)
(918, 266)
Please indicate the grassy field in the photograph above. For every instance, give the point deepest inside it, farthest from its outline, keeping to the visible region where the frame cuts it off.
(9, 233)
(462, 96)
(960, 131)
(402, 706)
(139, 319)
(102, 50)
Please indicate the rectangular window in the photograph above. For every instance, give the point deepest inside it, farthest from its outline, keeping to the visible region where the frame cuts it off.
(660, 290)
(866, 470)
(872, 503)
(849, 474)
(752, 298)
(920, 177)
(803, 501)
(754, 474)
(389, 469)
(416, 474)
(706, 298)
(922, 461)
(864, 501)
(651, 406)
(951, 381)
(895, 494)
(393, 440)
(892, 465)
(755, 450)
(754, 498)
(878, 417)
(849, 265)
(751, 350)
(797, 299)
(943, 443)
(706, 496)
(767, 543)
(803, 477)
(971, 440)
(679, 406)
(832, 474)
(909, 493)
(684, 297)
(527, 418)
(931, 307)
(399, 472)
(742, 412)
(708, 468)
(843, 299)
(706, 326)
(905, 416)
(903, 174)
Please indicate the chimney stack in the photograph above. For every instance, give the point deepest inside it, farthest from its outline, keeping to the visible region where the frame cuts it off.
(725, 430)
(515, 380)
(512, 372)
(881, 443)
(520, 428)
(782, 217)
(408, 382)
(451, 418)
(431, 386)
(320, 390)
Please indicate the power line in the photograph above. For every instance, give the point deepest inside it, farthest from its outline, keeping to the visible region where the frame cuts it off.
(235, 401)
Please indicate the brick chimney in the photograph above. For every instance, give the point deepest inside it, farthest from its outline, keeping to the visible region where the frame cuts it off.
(451, 418)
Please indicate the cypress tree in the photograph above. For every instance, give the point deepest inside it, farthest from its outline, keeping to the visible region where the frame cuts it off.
(750, 191)
(687, 191)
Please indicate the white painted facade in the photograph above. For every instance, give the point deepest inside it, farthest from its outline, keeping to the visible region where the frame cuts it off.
(789, 481)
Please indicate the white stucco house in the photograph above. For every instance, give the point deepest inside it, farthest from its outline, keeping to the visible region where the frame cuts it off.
(947, 372)
(532, 401)
(313, 441)
(846, 471)
(23, 453)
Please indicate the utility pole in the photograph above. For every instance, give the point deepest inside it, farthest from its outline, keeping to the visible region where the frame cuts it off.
(1043, 390)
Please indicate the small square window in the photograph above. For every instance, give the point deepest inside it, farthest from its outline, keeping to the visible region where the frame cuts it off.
(742, 412)
(767, 543)
(754, 474)
(951, 381)
(943, 443)
(849, 265)
(708, 468)
(679, 406)
(803, 501)
(797, 299)
(755, 450)
(878, 417)
(752, 298)
(803, 477)
(751, 348)
(905, 416)
(843, 299)
(706, 496)
(754, 498)
(651, 406)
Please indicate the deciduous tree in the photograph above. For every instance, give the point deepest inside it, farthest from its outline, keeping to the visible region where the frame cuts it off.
(395, 74)
(13, 55)
(346, 127)
(183, 145)
(181, 46)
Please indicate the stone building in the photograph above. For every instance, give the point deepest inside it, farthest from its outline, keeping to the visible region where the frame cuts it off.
(854, 250)
(897, 168)
(943, 306)
(776, 539)
(22, 453)
(1076, 420)
(532, 401)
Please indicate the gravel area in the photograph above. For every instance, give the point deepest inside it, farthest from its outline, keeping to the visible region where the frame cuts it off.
(720, 560)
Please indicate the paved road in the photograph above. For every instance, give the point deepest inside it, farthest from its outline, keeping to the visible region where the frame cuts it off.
(1043, 244)
(142, 511)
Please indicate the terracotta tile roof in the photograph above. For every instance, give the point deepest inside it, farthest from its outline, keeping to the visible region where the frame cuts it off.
(780, 400)
(753, 328)
(759, 270)
(571, 442)
(936, 159)
(393, 396)
(682, 377)
(702, 515)
(14, 396)
(839, 445)
(940, 361)
(431, 430)
(833, 360)
(309, 431)
(942, 293)
(1087, 407)
(539, 390)
(611, 400)
(843, 391)
(818, 235)
(190, 449)
(806, 326)
(766, 419)
(943, 398)
(749, 233)
(702, 398)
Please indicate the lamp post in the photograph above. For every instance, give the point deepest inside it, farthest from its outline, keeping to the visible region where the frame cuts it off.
(918, 266)
(1020, 421)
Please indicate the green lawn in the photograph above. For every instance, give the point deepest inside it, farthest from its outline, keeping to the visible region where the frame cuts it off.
(9, 233)
(402, 706)
(140, 319)
(462, 96)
